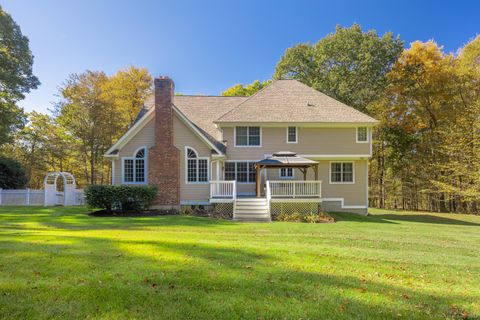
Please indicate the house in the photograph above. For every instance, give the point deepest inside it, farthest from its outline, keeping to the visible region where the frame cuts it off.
(286, 148)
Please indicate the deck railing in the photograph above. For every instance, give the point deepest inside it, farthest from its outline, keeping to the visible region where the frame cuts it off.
(221, 189)
(294, 189)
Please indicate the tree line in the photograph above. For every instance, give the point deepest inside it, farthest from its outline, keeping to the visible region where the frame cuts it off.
(425, 148)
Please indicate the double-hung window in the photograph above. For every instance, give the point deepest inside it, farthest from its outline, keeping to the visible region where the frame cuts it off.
(197, 168)
(241, 171)
(247, 136)
(134, 168)
(341, 172)
(286, 173)
(292, 135)
(362, 135)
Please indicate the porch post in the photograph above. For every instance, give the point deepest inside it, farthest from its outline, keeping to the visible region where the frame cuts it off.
(304, 174)
(315, 168)
(258, 179)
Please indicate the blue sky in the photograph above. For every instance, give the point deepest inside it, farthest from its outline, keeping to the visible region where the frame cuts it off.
(207, 46)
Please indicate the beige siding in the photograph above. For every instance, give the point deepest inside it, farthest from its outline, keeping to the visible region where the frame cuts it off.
(144, 138)
(325, 141)
(184, 136)
(353, 194)
(318, 141)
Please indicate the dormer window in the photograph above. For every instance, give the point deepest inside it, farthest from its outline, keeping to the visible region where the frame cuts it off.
(362, 135)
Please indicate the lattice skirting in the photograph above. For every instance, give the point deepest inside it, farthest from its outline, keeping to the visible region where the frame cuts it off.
(224, 209)
(294, 207)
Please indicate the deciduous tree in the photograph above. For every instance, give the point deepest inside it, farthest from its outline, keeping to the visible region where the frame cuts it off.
(16, 77)
(349, 65)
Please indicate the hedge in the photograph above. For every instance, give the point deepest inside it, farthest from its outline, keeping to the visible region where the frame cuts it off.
(123, 197)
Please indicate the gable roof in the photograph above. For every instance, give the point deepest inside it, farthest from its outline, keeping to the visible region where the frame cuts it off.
(283, 101)
(201, 112)
(293, 101)
(198, 112)
(204, 110)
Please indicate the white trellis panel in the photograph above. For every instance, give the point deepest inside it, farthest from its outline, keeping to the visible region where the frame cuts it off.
(49, 196)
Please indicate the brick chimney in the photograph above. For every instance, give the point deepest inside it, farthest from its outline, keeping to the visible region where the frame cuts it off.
(164, 157)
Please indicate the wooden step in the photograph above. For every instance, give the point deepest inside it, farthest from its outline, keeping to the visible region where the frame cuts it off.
(251, 210)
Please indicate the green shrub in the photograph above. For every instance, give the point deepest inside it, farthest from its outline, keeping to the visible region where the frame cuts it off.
(127, 198)
(12, 174)
(307, 217)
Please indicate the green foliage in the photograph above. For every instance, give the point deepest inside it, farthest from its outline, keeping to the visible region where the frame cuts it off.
(388, 265)
(12, 174)
(349, 65)
(427, 146)
(122, 197)
(127, 91)
(304, 217)
(16, 77)
(247, 90)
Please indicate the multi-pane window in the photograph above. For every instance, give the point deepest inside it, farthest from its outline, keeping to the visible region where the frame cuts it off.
(128, 170)
(252, 172)
(134, 168)
(197, 168)
(341, 172)
(230, 170)
(241, 171)
(247, 136)
(292, 134)
(286, 173)
(202, 170)
(362, 134)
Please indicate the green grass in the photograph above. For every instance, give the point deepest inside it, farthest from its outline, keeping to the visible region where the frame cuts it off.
(61, 263)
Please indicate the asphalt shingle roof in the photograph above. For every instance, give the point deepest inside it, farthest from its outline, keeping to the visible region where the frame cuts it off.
(281, 101)
(293, 101)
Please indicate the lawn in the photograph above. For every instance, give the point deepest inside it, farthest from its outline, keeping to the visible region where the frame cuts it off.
(60, 263)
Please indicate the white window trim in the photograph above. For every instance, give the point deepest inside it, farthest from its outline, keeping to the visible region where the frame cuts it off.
(286, 177)
(197, 158)
(296, 134)
(248, 132)
(330, 172)
(145, 173)
(113, 172)
(236, 180)
(368, 135)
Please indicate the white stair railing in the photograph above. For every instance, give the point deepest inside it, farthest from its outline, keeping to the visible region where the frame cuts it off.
(220, 189)
(294, 189)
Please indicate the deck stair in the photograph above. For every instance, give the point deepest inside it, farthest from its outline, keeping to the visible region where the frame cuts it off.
(251, 210)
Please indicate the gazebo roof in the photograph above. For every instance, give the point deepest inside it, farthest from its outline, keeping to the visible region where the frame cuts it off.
(286, 159)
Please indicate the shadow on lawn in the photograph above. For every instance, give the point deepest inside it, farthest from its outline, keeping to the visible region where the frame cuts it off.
(96, 277)
(392, 218)
(78, 219)
(426, 218)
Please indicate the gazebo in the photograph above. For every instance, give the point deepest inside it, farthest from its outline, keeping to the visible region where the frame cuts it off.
(285, 159)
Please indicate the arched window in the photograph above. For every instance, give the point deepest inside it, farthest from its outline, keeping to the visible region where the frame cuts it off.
(196, 167)
(134, 168)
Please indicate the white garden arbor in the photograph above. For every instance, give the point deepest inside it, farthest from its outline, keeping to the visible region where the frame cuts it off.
(53, 196)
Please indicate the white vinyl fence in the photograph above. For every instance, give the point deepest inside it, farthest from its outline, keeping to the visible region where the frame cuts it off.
(31, 197)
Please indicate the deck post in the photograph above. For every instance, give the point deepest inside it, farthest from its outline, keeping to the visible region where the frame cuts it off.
(258, 180)
(315, 168)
